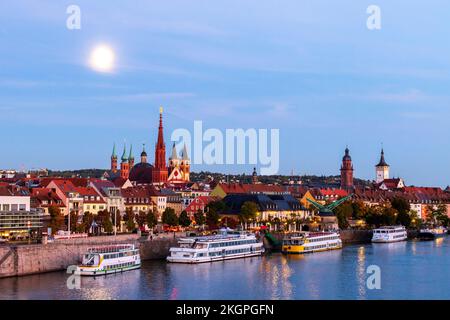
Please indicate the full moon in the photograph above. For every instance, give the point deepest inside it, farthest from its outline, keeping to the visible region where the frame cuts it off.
(102, 59)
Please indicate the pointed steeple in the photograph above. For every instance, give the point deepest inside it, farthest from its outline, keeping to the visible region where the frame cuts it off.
(160, 149)
(124, 154)
(382, 162)
(114, 155)
(131, 156)
(184, 154)
(174, 153)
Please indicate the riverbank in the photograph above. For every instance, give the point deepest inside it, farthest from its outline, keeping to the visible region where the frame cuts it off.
(23, 260)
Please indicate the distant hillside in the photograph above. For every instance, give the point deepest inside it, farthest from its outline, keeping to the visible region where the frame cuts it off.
(82, 173)
(312, 181)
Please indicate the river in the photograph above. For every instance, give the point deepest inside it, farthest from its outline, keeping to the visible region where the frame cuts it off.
(409, 270)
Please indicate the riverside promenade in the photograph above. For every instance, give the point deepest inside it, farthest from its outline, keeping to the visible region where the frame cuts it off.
(20, 260)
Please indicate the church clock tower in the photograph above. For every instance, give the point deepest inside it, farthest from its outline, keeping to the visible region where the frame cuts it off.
(382, 169)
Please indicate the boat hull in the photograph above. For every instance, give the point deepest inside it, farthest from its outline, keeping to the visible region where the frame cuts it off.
(294, 251)
(211, 259)
(82, 271)
(389, 241)
(430, 236)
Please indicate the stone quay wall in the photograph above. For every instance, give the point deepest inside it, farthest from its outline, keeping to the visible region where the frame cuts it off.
(32, 259)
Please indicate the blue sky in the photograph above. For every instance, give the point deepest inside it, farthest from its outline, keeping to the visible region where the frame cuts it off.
(310, 68)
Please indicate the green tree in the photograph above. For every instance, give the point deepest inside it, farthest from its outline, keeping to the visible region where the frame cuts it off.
(56, 219)
(141, 218)
(88, 218)
(169, 217)
(401, 205)
(343, 213)
(389, 216)
(184, 219)
(199, 217)
(152, 220)
(129, 219)
(104, 220)
(73, 221)
(212, 213)
(249, 211)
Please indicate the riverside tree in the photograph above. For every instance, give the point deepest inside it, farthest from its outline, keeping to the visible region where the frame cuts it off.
(56, 219)
(199, 217)
(169, 217)
(129, 219)
(152, 220)
(184, 219)
(249, 211)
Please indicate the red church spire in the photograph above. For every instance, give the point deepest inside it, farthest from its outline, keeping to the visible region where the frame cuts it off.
(160, 172)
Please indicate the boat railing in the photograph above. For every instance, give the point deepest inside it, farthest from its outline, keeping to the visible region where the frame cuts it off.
(111, 248)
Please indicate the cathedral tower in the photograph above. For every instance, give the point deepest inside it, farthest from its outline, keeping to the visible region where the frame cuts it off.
(185, 165)
(114, 160)
(124, 165)
(131, 157)
(347, 171)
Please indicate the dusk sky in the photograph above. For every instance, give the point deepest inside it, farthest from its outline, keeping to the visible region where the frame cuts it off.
(309, 68)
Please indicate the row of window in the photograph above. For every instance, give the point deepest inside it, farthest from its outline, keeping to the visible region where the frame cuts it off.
(14, 207)
(231, 243)
(94, 207)
(324, 239)
(119, 266)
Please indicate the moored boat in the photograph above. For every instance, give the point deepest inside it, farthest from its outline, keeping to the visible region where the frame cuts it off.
(431, 233)
(216, 248)
(389, 234)
(308, 242)
(109, 259)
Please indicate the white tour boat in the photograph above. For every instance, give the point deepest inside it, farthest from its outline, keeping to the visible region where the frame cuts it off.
(109, 259)
(216, 248)
(389, 234)
(308, 242)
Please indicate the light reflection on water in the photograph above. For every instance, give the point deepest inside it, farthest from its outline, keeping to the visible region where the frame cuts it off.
(410, 270)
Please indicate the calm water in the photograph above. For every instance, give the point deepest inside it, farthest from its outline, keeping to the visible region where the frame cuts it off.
(410, 270)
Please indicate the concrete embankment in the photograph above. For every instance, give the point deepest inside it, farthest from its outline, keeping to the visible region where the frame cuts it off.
(31, 259)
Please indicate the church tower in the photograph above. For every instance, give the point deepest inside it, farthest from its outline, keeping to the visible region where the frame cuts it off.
(131, 158)
(186, 165)
(143, 154)
(114, 160)
(381, 169)
(347, 171)
(174, 161)
(124, 165)
(160, 172)
(254, 177)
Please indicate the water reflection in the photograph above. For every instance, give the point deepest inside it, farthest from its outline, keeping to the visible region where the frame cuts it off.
(361, 272)
(329, 275)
